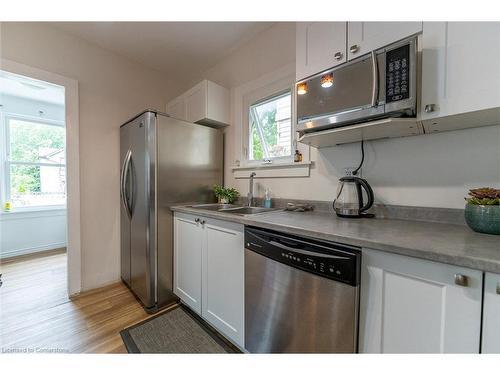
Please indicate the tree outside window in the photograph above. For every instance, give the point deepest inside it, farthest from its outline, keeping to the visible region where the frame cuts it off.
(270, 134)
(36, 163)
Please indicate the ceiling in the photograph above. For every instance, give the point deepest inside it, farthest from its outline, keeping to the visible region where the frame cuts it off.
(29, 88)
(181, 49)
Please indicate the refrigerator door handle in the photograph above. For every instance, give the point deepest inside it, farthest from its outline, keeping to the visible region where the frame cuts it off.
(123, 179)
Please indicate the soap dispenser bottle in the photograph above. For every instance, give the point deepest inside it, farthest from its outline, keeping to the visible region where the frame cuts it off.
(267, 199)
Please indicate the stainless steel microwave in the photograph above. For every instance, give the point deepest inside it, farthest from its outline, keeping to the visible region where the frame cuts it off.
(377, 85)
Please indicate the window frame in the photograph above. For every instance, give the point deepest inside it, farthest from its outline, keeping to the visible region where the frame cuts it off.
(6, 163)
(269, 96)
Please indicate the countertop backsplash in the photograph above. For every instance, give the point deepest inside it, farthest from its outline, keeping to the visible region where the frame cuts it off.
(381, 211)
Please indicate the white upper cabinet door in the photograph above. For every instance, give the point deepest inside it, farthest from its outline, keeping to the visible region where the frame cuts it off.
(177, 108)
(196, 102)
(364, 37)
(460, 70)
(491, 314)
(319, 46)
(207, 103)
(217, 103)
(223, 278)
(409, 305)
(188, 237)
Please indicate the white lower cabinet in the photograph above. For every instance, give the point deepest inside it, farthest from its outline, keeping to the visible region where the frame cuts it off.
(223, 273)
(410, 305)
(188, 242)
(491, 314)
(209, 271)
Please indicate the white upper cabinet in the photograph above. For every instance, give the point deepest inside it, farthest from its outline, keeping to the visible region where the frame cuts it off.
(319, 46)
(196, 103)
(364, 37)
(460, 73)
(177, 108)
(206, 103)
(409, 305)
(491, 314)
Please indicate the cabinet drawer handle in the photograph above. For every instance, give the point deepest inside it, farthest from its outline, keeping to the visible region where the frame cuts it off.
(338, 56)
(354, 48)
(197, 220)
(498, 287)
(461, 280)
(202, 222)
(429, 108)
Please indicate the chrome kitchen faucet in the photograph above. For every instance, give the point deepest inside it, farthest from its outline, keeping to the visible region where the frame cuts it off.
(250, 190)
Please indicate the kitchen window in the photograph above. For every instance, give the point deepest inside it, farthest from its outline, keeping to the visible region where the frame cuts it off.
(35, 163)
(270, 128)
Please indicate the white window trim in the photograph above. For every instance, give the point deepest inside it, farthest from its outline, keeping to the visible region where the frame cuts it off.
(261, 95)
(5, 163)
(278, 159)
(242, 97)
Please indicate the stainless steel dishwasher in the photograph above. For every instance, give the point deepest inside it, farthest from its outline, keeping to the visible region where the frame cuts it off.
(301, 295)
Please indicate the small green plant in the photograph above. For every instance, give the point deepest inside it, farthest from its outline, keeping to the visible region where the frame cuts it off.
(224, 194)
(484, 196)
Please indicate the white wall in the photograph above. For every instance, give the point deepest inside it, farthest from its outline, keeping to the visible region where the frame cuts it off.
(28, 232)
(111, 90)
(430, 170)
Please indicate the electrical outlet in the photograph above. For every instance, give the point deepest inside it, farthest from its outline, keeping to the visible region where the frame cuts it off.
(348, 171)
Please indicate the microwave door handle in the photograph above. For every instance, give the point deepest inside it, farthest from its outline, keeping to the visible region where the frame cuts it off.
(375, 79)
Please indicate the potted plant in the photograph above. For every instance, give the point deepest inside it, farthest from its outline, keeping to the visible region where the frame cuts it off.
(226, 195)
(482, 211)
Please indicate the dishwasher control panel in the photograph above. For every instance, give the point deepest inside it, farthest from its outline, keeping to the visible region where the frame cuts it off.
(315, 264)
(334, 261)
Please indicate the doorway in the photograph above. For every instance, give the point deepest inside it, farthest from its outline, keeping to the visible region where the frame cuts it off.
(33, 212)
(40, 181)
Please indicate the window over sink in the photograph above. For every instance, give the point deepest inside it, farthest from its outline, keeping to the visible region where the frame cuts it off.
(264, 123)
(270, 127)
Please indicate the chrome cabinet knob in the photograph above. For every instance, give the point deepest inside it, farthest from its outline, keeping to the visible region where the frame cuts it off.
(197, 220)
(354, 48)
(429, 108)
(461, 280)
(338, 55)
(202, 222)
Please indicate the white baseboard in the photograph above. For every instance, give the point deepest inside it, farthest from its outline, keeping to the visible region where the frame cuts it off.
(31, 250)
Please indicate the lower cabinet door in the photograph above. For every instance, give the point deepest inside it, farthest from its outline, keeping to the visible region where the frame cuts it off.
(188, 238)
(491, 314)
(223, 278)
(410, 305)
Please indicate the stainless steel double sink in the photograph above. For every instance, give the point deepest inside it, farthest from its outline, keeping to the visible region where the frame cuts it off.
(233, 209)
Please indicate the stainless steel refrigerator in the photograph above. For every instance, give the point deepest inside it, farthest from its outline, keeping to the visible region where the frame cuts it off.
(164, 162)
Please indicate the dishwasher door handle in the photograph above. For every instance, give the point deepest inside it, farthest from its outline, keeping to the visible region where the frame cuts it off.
(304, 252)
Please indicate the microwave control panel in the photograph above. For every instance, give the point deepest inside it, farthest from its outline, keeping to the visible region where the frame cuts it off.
(397, 74)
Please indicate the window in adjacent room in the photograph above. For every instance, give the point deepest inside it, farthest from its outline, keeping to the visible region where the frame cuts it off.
(35, 167)
(270, 128)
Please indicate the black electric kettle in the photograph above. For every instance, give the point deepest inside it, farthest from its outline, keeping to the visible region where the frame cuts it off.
(349, 200)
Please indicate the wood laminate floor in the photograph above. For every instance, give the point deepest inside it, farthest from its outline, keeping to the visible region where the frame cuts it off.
(37, 315)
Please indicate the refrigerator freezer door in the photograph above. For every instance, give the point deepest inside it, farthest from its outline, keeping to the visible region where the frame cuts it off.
(125, 198)
(190, 162)
(142, 239)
